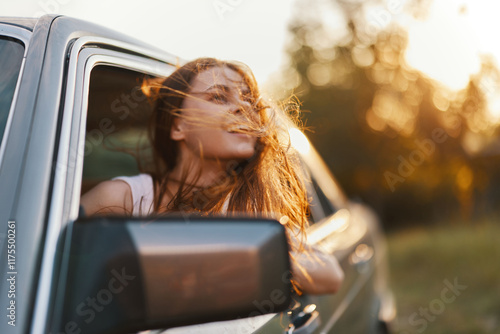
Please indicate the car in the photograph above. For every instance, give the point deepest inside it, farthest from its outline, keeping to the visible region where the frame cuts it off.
(72, 108)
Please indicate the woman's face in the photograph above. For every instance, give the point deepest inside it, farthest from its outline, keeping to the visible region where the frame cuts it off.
(217, 105)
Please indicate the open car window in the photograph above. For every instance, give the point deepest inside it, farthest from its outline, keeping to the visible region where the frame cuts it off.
(116, 136)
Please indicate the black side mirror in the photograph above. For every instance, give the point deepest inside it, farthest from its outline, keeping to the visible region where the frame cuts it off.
(126, 275)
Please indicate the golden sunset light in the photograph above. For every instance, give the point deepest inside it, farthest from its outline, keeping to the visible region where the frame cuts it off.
(326, 166)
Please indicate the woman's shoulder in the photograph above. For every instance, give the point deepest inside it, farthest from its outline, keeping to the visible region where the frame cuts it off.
(111, 196)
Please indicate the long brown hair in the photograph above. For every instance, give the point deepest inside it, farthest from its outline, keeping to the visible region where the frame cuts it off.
(269, 184)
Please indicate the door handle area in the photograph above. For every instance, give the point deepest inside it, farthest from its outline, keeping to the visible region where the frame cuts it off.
(306, 322)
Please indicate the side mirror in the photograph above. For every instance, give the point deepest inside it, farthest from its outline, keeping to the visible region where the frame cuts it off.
(126, 275)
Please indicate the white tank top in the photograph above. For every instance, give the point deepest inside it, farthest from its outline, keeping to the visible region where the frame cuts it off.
(143, 194)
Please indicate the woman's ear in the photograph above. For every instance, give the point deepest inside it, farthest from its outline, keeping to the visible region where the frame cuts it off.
(177, 132)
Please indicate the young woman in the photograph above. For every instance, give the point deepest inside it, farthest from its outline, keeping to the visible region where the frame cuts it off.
(219, 149)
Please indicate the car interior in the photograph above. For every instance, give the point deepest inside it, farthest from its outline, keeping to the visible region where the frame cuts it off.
(117, 121)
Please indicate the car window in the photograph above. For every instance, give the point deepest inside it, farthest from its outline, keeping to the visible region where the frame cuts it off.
(117, 121)
(324, 202)
(11, 57)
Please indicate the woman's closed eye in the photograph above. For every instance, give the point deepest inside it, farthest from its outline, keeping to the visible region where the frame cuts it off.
(219, 98)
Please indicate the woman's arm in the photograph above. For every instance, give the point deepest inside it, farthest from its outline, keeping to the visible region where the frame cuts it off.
(315, 272)
(108, 198)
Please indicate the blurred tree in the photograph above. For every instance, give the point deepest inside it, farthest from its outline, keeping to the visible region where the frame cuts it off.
(393, 137)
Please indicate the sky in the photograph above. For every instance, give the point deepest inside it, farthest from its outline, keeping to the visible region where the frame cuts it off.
(445, 45)
(448, 44)
(251, 31)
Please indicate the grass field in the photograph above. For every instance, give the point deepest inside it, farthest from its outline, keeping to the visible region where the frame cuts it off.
(426, 262)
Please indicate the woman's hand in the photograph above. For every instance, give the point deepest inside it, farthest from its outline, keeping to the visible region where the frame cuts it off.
(315, 272)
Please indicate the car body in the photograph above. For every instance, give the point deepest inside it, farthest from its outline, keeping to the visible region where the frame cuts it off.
(70, 86)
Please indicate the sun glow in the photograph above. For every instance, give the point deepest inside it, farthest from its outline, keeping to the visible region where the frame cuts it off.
(444, 45)
(447, 45)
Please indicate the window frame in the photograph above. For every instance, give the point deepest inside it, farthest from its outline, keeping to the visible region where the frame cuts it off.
(104, 58)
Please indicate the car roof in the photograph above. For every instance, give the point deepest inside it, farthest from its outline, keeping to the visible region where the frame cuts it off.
(23, 22)
(76, 27)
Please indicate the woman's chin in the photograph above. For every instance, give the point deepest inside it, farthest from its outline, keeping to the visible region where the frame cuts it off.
(236, 152)
(246, 150)
(239, 156)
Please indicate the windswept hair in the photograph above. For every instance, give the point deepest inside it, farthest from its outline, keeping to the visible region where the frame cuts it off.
(269, 184)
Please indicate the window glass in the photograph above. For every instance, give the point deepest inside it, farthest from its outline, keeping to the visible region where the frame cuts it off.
(11, 57)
